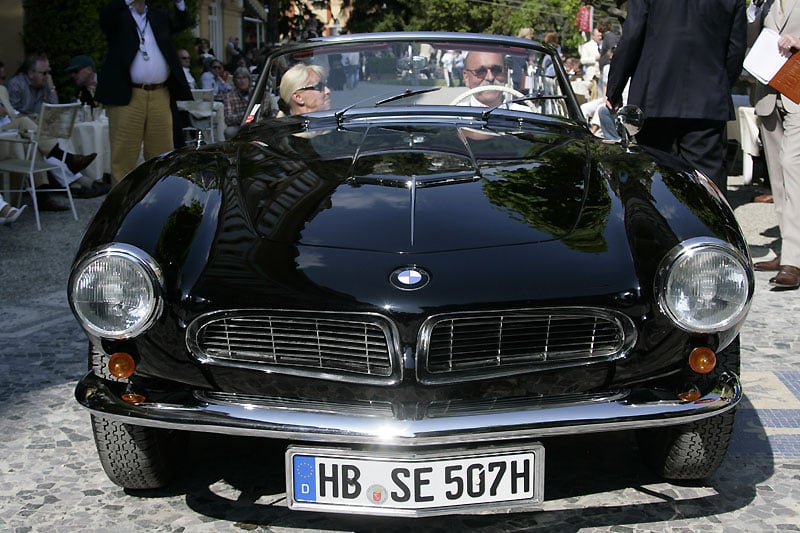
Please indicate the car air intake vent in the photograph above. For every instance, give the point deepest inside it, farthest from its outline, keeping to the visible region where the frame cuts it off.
(462, 347)
(357, 347)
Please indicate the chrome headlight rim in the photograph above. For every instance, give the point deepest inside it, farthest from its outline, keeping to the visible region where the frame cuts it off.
(139, 259)
(688, 249)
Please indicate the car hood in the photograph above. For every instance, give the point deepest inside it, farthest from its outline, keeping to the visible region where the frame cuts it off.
(420, 189)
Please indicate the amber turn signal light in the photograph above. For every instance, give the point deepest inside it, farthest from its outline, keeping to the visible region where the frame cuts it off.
(121, 365)
(689, 395)
(133, 398)
(702, 360)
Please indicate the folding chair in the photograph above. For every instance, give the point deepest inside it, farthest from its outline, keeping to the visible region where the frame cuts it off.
(55, 122)
(201, 112)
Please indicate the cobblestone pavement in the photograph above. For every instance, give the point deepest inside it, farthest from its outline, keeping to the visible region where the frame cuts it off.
(51, 479)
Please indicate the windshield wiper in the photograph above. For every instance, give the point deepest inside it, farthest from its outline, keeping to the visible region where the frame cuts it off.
(406, 94)
(538, 96)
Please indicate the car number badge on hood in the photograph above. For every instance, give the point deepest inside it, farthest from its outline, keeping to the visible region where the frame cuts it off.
(409, 278)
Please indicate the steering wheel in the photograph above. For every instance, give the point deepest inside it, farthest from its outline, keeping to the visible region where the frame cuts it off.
(483, 88)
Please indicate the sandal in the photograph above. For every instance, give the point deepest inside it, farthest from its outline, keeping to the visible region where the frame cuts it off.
(12, 215)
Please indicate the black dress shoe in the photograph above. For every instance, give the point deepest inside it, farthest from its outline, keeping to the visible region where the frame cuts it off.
(788, 278)
(773, 265)
(97, 188)
(76, 163)
(47, 202)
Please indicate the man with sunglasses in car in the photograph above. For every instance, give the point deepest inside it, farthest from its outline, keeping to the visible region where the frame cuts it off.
(487, 69)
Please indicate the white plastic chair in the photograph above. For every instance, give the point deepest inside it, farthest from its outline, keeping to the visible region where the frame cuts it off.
(201, 112)
(55, 122)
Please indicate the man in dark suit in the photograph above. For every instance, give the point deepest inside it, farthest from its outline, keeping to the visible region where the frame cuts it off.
(682, 58)
(140, 75)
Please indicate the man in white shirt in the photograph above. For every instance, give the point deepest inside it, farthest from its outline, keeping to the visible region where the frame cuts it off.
(140, 75)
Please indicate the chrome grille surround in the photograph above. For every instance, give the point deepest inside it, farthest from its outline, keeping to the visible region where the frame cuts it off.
(433, 410)
(472, 346)
(349, 347)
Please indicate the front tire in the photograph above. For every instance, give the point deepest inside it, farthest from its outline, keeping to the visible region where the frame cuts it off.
(691, 451)
(135, 457)
(695, 450)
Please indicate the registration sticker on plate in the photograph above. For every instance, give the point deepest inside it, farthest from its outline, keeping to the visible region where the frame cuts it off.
(359, 481)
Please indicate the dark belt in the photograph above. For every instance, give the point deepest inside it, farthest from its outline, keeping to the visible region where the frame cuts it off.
(148, 86)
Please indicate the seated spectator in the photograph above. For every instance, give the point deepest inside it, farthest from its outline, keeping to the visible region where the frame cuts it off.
(32, 86)
(304, 90)
(214, 78)
(10, 119)
(581, 86)
(82, 70)
(236, 101)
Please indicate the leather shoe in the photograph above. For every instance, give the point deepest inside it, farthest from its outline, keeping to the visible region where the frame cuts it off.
(773, 265)
(47, 202)
(98, 188)
(788, 278)
(76, 163)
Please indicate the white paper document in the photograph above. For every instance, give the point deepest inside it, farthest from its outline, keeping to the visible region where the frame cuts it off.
(764, 60)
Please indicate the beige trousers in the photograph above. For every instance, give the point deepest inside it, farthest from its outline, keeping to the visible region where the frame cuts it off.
(145, 124)
(780, 133)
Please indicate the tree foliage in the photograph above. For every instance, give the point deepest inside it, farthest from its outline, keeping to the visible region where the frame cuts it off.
(503, 17)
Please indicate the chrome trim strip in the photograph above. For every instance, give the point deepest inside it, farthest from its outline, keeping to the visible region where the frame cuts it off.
(248, 419)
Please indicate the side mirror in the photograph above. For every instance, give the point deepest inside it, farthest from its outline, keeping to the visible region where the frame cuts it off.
(628, 121)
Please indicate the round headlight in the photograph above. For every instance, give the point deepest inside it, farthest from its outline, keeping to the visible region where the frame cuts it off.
(705, 286)
(114, 291)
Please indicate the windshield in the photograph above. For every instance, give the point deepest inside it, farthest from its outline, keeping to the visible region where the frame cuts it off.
(340, 73)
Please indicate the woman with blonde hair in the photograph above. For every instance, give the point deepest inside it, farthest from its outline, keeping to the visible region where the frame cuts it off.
(304, 90)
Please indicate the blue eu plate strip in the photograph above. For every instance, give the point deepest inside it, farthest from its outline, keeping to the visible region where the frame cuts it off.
(305, 478)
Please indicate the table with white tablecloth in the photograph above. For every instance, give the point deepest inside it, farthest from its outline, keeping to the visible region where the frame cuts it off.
(92, 137)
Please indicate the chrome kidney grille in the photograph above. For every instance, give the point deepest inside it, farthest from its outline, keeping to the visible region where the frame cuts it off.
(462, 347)
(365, 347)
(357, 347)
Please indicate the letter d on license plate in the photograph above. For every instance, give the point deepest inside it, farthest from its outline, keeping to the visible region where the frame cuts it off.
(416, 484)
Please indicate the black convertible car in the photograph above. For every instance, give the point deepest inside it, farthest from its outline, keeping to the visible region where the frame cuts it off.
(412, 271)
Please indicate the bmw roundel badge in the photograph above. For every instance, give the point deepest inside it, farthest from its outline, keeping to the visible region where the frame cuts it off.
(409, 278)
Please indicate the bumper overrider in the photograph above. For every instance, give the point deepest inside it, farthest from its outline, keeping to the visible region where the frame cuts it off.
(367, 423)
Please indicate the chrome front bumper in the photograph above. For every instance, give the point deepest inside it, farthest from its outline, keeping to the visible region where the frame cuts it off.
(377, 424)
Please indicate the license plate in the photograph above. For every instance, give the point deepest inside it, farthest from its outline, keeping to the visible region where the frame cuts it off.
(418, 484)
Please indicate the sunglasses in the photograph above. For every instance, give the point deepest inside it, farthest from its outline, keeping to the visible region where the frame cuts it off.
(44, 73)
(185, 57)
(216, 67)
(480, 72)
(318, 87)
